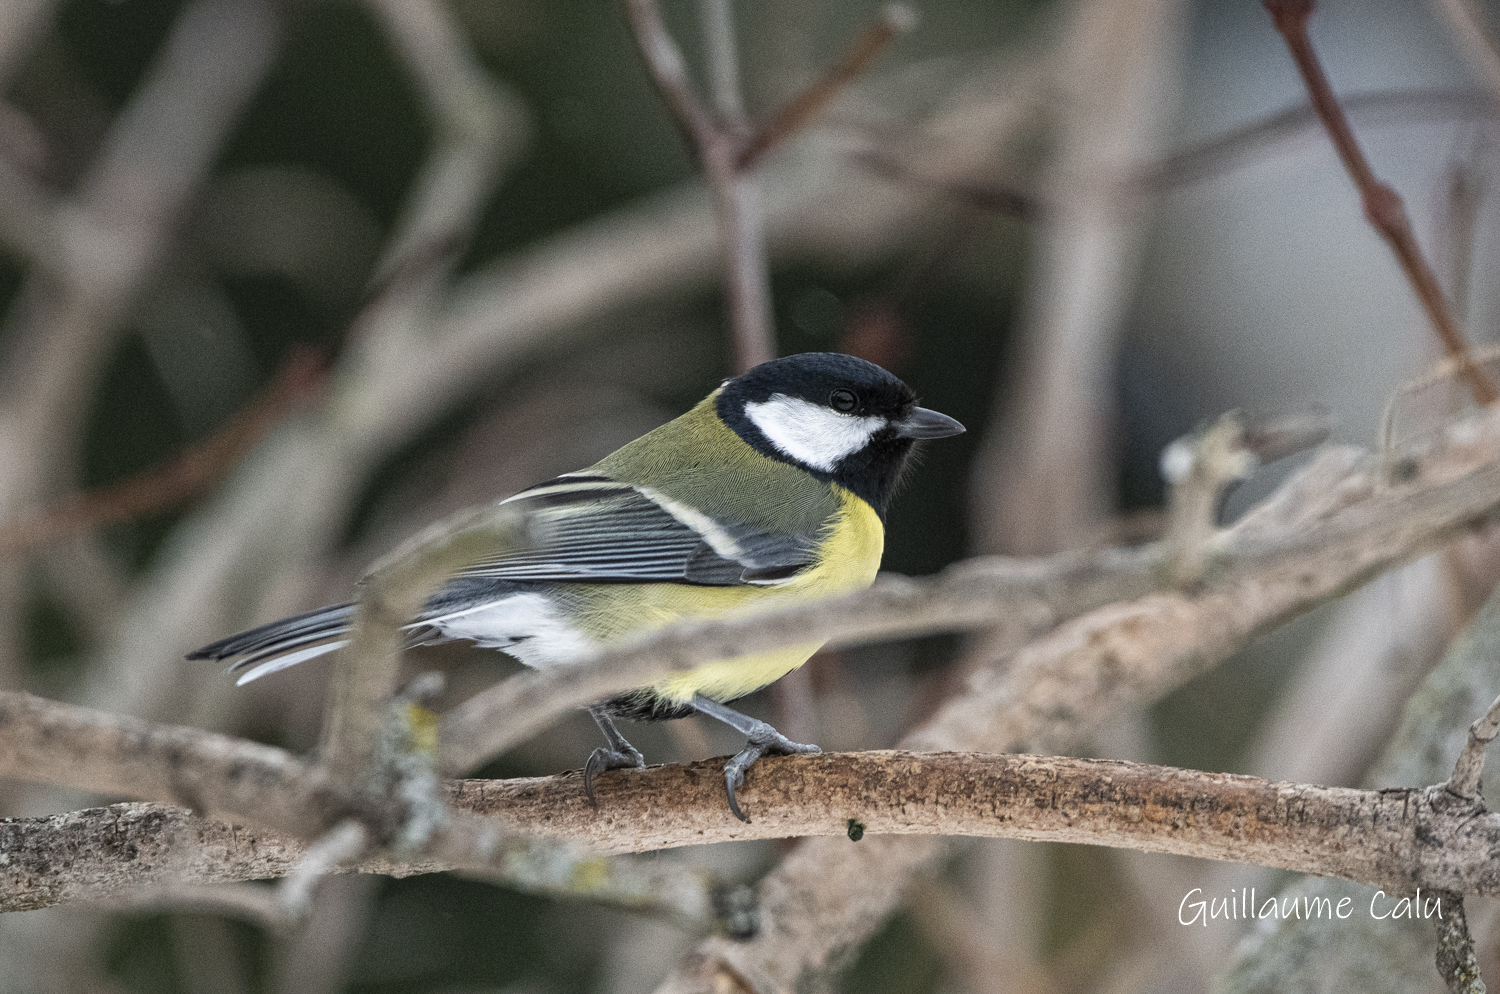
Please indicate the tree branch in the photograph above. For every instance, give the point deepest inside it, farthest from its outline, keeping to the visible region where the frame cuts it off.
(669, 72)
(1431, 733)
(794, 115)
(51, 742)
(360, 699)
(1383, 206)
(1456, 960)
(726, 154)
(476, 123)
(1396, 839)
(715, 144)
(1464, 782)
(291, 801)
(1327, 529)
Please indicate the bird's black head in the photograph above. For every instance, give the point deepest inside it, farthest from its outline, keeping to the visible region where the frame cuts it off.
(840, 418)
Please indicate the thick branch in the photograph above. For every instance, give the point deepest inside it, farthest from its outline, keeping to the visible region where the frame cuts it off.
(224, 777)
(1431, 732)
(163, 855)
(1396, 839)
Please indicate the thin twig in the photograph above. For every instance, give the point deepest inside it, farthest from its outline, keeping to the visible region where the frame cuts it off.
(476, 121)
(1199, 468)
(725, 156)
(1209, 159)
(670, 73)
(791, 117)
(1464, 782)
(1466, 194)
(1203, 466)
(1382, 204)
(190, 473)
(737, 196)
(1234, 149)
(1012, 199)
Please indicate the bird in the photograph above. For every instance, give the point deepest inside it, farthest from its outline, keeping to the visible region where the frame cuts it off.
(772, 489)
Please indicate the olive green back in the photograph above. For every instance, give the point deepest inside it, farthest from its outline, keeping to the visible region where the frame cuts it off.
(725, 478)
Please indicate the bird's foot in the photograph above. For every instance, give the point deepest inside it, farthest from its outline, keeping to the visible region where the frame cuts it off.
(763, 739)
(601, 759)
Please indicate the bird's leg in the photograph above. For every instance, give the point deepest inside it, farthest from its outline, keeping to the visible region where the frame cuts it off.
(760, 739)
(618, 756)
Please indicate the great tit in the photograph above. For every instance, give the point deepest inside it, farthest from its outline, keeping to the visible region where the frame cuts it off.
(772, 489)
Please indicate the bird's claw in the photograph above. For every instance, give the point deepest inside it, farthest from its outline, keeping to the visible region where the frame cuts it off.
(757, 746)
(602, 759)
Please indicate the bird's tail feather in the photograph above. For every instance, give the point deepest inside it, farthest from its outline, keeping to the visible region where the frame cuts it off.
(282, 643)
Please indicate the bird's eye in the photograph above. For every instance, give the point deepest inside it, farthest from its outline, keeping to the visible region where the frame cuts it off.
(843, 400)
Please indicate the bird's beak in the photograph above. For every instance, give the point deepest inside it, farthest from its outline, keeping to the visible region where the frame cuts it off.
(922, 423)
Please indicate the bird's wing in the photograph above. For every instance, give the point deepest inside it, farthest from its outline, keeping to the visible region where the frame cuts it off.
(591, 529)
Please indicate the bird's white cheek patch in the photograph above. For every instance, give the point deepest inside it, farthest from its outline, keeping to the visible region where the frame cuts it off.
(811, 433)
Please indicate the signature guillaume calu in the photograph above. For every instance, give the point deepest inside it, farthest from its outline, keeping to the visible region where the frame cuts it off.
(1240, 905)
